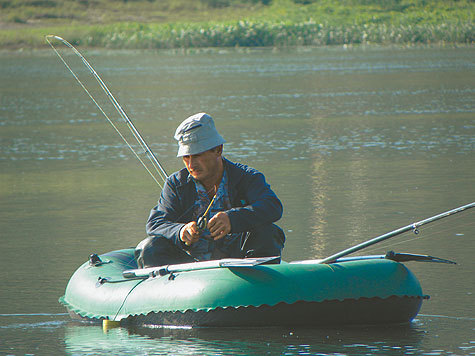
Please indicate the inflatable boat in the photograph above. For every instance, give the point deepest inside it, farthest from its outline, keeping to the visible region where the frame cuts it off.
(248, 292)
(245, 292)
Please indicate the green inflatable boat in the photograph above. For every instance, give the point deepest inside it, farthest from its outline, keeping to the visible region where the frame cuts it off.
(245, 292)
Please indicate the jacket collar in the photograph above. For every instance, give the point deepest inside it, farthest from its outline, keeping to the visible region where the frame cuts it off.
(232, 171)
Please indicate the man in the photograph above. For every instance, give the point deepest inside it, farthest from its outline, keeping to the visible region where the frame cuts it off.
(232, 203)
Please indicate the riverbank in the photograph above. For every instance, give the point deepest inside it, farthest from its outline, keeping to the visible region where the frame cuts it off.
(143, 24)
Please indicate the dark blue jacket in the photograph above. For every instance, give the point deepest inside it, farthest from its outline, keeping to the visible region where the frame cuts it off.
(252, 200)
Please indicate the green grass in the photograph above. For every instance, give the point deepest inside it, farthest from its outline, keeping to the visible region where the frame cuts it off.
(187, 23)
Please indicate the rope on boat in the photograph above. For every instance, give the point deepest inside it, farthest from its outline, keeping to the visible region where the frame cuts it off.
(125, 299)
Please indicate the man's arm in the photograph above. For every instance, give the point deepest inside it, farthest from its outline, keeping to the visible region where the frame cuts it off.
(164, 219)
(262, 205)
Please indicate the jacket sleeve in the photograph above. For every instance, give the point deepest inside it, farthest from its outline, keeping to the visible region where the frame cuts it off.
(260, 204)
(164, 219)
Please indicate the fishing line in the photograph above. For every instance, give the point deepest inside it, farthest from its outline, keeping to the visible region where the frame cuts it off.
(390, 245)
(447, 317)
(162, 174)
(427, 229)
(35, 314)
(411, 239)
(411, 227)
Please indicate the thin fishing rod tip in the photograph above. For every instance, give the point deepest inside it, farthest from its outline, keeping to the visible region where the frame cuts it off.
(55, 37)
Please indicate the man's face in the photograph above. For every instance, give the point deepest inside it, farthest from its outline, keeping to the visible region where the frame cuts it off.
(203, 166)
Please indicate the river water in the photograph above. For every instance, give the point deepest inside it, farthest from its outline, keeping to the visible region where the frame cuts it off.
(356, 142)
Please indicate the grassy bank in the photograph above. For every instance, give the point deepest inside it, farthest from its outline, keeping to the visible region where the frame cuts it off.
(185, 23)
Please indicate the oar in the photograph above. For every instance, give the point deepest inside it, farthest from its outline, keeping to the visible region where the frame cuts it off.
(390, 255)
(194, 266)
(396, 232)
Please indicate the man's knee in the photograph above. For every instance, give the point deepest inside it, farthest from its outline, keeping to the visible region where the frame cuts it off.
(158, 251)
(264, 241)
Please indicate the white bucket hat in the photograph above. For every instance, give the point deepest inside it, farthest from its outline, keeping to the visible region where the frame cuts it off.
(197, 134)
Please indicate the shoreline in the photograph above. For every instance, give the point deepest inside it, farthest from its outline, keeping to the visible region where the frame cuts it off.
(46, 50)
(242, 34)
(184, 24)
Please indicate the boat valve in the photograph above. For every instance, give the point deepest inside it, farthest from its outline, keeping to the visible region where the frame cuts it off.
(94, 260)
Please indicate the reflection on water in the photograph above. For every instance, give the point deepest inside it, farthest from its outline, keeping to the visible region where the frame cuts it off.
(251, 341)
(319, 179)
(356, 143)
(53, 334)
(387, 340)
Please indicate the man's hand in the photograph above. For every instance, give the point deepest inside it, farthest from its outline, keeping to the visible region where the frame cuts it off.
(189, 234)
(219, 225)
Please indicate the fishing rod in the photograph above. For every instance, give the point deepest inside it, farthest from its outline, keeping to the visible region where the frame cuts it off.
(413, 227)
(138, 137)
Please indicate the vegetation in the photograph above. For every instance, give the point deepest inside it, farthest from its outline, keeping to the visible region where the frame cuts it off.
(217, 23)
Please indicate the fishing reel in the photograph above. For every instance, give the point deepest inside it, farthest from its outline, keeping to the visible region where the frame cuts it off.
(202, 222)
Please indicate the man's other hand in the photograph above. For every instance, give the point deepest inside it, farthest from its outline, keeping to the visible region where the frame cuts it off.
(219, 225)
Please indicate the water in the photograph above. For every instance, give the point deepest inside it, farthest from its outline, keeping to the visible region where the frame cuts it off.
(355, 142)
